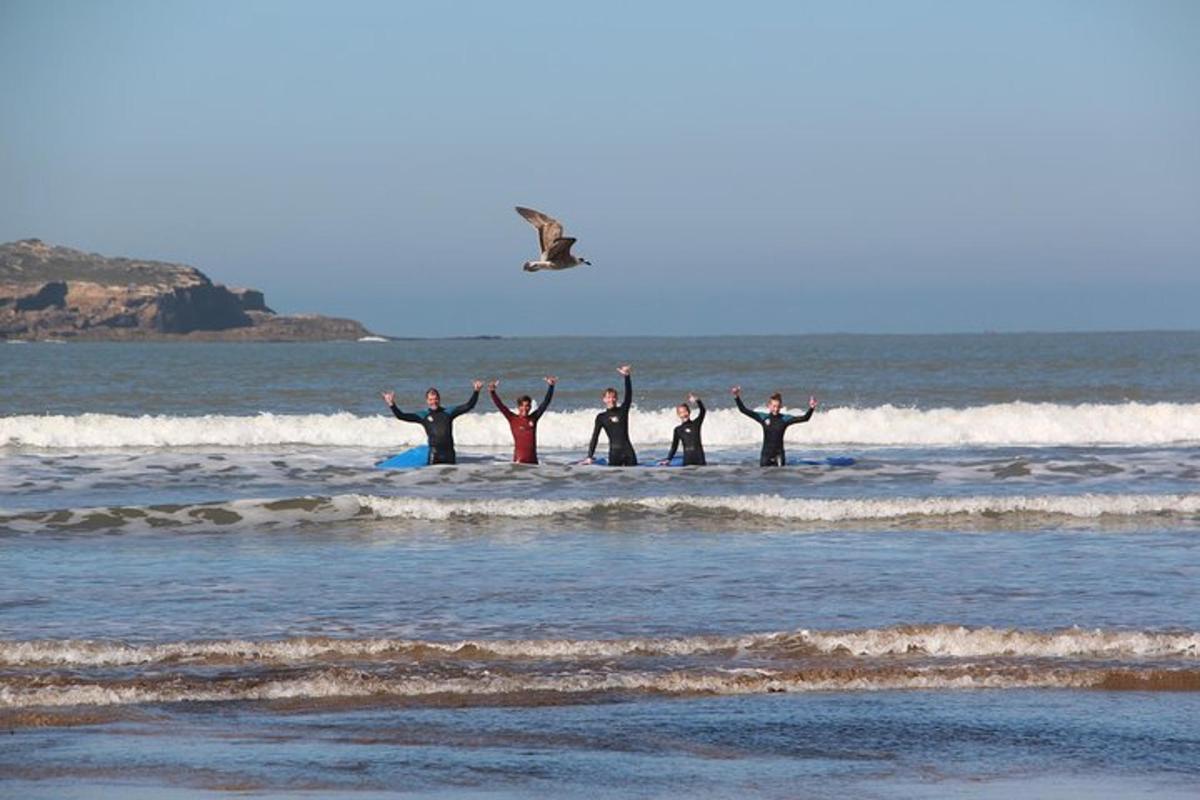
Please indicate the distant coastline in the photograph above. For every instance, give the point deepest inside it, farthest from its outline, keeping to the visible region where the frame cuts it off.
(50, 292)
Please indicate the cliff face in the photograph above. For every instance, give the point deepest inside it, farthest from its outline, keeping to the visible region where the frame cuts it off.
(56, 292)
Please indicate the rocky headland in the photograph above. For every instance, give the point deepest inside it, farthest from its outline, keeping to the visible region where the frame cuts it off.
(53, 292)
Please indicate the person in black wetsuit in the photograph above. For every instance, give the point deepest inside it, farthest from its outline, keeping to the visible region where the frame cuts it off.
(614, 421)
(687, 433)
(437, 421)
(774, 426)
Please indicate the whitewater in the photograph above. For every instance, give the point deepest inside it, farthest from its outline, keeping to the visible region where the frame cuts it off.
(1003, 424)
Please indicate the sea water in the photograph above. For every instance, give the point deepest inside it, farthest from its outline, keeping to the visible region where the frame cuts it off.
(205, 585)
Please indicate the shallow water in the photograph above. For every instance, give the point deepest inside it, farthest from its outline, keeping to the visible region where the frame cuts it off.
(207, 586)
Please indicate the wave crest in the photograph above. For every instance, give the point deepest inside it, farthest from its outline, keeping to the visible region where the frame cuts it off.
(1027, 424)
(937, 641)
(521, 688)
(790, 508)
(686, 509)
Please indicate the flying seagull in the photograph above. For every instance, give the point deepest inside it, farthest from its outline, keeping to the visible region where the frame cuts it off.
(556, 248)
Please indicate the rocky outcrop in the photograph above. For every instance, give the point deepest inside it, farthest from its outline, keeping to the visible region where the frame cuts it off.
(48, 291)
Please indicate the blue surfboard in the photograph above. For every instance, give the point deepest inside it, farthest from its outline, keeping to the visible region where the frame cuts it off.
(831, 461)
(415, 457)
(677, 461)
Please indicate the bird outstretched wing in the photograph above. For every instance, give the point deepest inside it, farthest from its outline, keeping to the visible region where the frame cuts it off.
(549, 229)
(560, 248)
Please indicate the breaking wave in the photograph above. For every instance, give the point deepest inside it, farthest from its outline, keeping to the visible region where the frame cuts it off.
(793, 509)
(1028, 424)
(937, 641)
(942, 657)
(519, 688)
(678, 508)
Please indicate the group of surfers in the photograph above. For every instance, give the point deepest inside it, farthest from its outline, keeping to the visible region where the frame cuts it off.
(613, 421)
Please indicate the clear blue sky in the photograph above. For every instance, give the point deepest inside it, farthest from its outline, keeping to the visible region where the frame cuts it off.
(729, 167)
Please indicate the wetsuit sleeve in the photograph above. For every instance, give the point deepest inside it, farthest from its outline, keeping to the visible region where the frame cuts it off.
(500, 405)
(700, 416)
(541, 409)
(748, 412)
(674, 445)
(405, 416)
(628, 400)
(802, 418)
(465, 407)
(595, 438)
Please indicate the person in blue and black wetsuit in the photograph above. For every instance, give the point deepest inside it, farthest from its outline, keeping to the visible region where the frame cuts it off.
(774, 425)
(437, 421)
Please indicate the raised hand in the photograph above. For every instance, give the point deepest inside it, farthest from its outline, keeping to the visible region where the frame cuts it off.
(625, 369)
(477, 384)
(389, 397)
(692, 397)
(812, 401)
(493, 384)
(551, 379)
(736, 391)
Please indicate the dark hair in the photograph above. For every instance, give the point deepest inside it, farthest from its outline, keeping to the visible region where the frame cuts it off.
(610, 390)
(524, 399)
(776, 396)
(683, 405)
(433, 390)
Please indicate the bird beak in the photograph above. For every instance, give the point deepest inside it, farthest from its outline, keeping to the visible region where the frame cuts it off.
(587, 262)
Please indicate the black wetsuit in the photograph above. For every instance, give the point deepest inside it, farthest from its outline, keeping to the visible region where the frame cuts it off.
(774, 426)
(439, 427)
(688, 435)
(615, 423)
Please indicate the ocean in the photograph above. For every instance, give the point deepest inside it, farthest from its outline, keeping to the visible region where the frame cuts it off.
(206, 587)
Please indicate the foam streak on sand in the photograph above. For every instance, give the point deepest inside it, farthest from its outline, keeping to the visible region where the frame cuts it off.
(1028, 424)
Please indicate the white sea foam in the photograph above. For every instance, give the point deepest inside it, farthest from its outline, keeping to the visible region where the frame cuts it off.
(963, 642)
(1029, 424)
(343, 683)
(937, 641)
(100, 653)
(339, 508)
(769, 506)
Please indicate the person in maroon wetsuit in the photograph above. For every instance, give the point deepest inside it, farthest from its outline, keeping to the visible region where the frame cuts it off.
(524, 421)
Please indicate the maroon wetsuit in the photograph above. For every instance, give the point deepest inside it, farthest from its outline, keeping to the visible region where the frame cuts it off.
(524, 429)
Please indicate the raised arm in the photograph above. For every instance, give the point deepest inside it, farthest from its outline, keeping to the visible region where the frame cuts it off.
(497, 402)
(595, 439)
(405, 416)
(807, 415)
(700, 407)
(627, 400)
(470, 404)
(541, 409)
(389, 398)
(749, 412)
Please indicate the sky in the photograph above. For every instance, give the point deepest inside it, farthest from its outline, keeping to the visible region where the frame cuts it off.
(756, 167)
